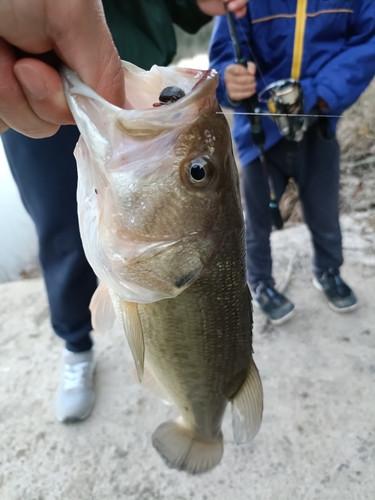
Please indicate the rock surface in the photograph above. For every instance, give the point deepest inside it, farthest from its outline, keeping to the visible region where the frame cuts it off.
(317, 440)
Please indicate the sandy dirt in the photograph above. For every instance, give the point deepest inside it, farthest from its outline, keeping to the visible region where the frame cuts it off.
(317, 440)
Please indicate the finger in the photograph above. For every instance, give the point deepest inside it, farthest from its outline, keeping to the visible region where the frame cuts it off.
(244, 89)
(240, 93)
(251, 68)
(15, 111)
(237, 70)
(239, 7)
(87, 47)
(3, 127)
(245, 79)
(246, 83)
(43, 89)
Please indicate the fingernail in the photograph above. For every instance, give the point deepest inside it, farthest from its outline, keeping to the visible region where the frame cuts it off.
(32, 81)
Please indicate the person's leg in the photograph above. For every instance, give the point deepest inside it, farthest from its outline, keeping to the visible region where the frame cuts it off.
(46, 174)
(258, 222)
(258, 225)
(318, 181)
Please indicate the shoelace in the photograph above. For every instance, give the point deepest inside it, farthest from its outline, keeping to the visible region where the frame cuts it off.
(75, 376)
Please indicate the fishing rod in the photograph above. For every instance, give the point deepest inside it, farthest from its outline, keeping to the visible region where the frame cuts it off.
(253, 110)
(251, 104)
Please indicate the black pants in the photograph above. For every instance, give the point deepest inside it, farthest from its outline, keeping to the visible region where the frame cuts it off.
(314, 165)
(46, 174)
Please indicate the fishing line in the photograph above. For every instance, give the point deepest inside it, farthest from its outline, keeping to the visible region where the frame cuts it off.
(276, 114)
(250, 50)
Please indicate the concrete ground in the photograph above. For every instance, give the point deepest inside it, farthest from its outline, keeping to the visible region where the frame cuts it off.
(317, 440)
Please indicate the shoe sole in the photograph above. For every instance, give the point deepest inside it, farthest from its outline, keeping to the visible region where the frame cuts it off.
(74, 420)
(275, 322)
(339, 310)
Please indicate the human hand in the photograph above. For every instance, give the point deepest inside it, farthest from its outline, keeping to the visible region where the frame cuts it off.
(216, 7)
(322, 105)
(240, 81)
(32, 99)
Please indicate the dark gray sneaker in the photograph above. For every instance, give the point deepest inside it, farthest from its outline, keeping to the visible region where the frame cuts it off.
(274, 305)
(340, 297)
(75, 397)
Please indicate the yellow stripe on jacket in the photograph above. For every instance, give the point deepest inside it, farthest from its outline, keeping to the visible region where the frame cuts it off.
(299, 36)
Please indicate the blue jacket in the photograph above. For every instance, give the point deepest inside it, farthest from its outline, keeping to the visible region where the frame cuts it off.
(329, 45)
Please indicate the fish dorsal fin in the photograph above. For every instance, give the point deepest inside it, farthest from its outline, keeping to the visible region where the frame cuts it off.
(102, 312)
(247, 407)
(134, 333)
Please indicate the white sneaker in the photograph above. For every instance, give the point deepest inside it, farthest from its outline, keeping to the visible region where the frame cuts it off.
(75, 397)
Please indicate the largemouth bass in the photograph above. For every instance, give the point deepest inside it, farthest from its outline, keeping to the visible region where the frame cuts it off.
(162, 226)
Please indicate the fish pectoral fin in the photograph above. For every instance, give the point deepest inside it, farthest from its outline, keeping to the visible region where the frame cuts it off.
(181, 449)
(247, 407)
(102, 312)
(134, 333)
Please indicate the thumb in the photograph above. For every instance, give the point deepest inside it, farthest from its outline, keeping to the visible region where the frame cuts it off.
(251, 68)
(85, 44)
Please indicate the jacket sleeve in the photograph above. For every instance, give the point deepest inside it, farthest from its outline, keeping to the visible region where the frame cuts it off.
(346, 76)
(187, 15)
(221, 53)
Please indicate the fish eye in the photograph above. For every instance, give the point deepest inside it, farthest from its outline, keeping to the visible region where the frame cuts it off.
(199, 171)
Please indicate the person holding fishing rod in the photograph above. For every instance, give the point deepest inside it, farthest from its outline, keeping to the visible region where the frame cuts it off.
(304, 57)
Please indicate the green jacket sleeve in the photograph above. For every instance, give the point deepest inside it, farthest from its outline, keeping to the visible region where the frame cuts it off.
(187, 15)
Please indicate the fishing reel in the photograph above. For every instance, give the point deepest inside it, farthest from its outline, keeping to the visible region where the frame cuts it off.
(284, 99)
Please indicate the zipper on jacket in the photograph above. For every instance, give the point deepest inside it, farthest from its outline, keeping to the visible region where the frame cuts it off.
(299, 36)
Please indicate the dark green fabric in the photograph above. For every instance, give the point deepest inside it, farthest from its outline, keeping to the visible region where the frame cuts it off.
(143, 29)
(187, 15)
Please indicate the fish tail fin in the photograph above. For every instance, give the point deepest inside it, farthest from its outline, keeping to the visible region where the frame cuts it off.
(247, 407)
(183, 450)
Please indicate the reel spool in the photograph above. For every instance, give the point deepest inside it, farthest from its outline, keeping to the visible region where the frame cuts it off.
(283, 98)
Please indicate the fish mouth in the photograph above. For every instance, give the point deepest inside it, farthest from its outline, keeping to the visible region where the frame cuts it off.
(140, 118)
(144, 88)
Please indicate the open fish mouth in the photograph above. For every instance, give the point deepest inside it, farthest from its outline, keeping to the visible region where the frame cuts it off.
(143, 90)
